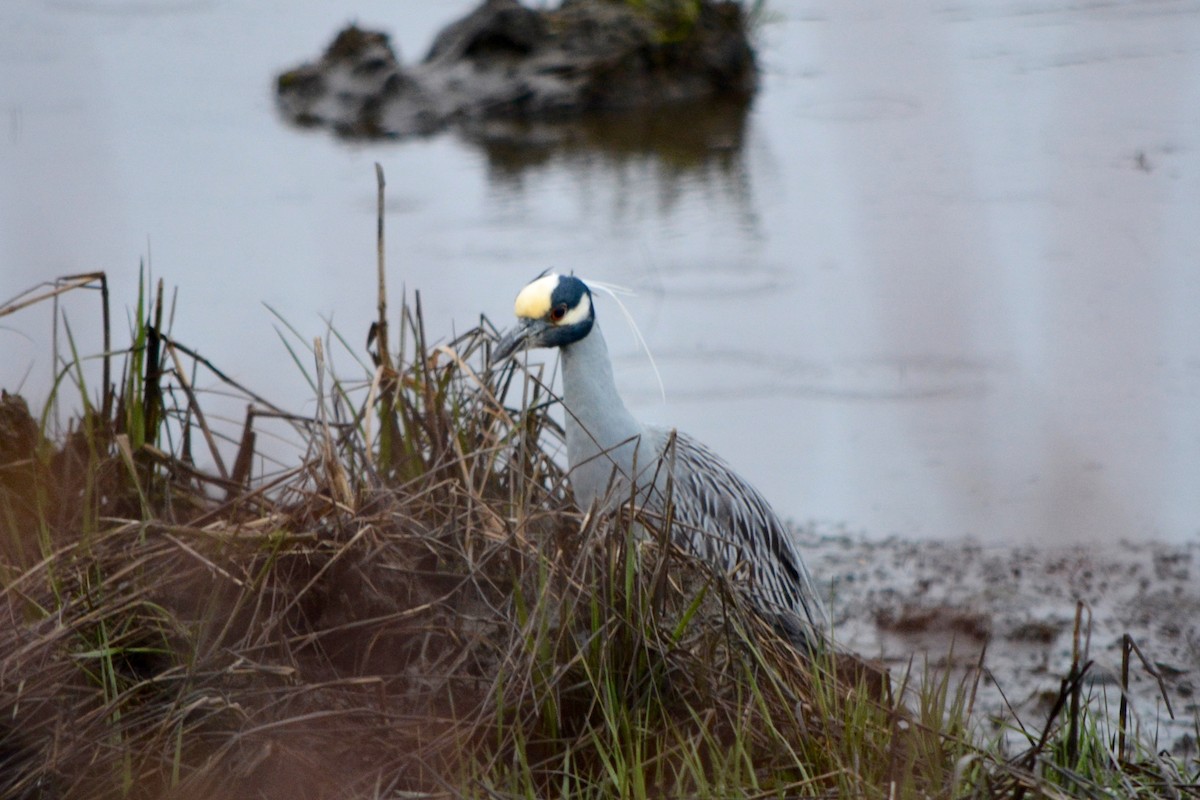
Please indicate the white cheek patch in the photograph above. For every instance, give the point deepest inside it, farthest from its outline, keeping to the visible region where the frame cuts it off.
(579, 313)
(534, 300)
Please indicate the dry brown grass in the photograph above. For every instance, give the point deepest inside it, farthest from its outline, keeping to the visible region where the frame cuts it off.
(417, 608)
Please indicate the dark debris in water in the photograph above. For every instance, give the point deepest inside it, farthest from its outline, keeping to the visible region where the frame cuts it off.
(936, 619)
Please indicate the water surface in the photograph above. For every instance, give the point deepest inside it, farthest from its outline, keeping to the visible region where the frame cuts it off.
(941, 279)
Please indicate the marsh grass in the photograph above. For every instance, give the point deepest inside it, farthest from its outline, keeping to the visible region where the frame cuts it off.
(417, 610)
(674, 21)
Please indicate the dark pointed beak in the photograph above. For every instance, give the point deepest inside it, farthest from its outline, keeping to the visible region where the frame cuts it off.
(526, 334)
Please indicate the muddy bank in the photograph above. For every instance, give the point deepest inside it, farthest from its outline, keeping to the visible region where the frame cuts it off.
(900, 599)
(504, 61)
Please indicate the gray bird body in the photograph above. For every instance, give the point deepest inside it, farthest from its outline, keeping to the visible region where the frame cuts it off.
(716, 514)
(604, 441)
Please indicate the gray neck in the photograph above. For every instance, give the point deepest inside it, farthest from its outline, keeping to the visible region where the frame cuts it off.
(597, 421)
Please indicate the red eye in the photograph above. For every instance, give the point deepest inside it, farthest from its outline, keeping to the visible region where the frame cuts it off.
(558, 312)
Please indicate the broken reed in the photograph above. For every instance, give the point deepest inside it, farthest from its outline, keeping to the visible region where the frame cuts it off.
(416, 607)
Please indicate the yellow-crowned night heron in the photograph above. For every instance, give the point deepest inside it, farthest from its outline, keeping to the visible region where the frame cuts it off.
(717, 514)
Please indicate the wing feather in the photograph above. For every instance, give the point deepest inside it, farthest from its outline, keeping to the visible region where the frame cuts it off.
(721, 517)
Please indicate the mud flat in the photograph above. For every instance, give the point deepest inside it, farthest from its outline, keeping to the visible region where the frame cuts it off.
(948, 600)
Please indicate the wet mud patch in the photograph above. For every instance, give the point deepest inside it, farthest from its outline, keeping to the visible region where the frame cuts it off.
(938, 620)
(951, 604)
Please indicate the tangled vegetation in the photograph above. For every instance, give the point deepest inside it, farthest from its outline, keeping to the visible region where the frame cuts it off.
(417, 610)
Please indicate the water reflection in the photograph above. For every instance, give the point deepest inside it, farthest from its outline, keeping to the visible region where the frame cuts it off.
(674, 151)
(701, 141)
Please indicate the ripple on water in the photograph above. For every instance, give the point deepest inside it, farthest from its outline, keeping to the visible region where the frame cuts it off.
(867, 108)
(711, 280)
(133, 8)
(770, 374)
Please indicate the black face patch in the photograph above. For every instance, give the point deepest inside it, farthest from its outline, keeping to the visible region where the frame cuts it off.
(569, 292)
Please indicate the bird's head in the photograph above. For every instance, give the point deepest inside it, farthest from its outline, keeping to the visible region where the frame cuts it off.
(553, 311)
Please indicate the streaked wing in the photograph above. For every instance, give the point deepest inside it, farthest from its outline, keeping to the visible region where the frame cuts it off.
(719, 516)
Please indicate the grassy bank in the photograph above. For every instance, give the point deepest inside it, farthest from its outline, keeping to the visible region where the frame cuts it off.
(417, 610)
